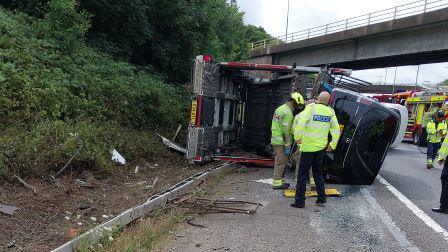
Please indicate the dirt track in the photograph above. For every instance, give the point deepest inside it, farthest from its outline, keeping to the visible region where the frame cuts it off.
(41, 225)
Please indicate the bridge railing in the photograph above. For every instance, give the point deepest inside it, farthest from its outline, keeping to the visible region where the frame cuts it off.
(400, 11)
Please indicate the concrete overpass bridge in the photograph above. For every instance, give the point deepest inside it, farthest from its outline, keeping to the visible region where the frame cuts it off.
(411, 34)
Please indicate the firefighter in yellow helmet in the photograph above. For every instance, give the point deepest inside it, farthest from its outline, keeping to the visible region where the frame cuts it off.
(316, 121)
(281, 136)
(436, 130)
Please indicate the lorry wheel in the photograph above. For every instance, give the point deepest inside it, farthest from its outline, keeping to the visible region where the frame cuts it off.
(416, 138)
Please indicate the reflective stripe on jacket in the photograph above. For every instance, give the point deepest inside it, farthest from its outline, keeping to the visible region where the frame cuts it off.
(435, 133)
(281, 126)
(316, 121)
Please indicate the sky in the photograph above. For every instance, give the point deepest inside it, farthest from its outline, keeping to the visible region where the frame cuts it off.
(304, 14)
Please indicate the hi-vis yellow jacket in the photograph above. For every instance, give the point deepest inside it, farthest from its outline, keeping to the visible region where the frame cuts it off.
(443, 151)
(316, 121)
(435, 133)
(281, 126)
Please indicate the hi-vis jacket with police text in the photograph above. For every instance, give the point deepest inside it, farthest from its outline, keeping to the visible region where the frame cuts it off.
(281, 126)
(435, 131)
(314, 124)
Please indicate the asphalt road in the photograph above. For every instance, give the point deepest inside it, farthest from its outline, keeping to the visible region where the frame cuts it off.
(405, 169)
(392, 214)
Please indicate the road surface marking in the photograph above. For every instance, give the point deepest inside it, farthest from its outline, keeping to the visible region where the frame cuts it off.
(415, 209)
(399, 235)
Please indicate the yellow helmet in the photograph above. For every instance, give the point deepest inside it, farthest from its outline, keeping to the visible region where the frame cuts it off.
(298, 98)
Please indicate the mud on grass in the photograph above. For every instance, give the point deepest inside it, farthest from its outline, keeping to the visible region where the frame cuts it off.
(53, 216)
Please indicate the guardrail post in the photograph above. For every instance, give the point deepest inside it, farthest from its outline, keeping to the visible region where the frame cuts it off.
(252, 45)
(424, 6)
(395, 13)
(326, 29)
(308, 33)
(346, 23)
(264, 43)
(292, 37)
(370, 15)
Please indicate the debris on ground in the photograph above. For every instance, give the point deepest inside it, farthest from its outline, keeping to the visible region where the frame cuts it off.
(136, 169)
(7, 209)
(93, 219)
(85, 206)
(173, 146)
(72, 233)
(84, 184)
(11, 244)
(202, 206)
(26, 184)
(65, 195)
(153, 183)
(191, 223)
(117, 157)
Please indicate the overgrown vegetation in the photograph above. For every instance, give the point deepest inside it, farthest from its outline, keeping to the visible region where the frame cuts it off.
(56, 91)
(113, 91)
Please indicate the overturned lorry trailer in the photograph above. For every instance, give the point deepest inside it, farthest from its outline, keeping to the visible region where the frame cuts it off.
(233, 104)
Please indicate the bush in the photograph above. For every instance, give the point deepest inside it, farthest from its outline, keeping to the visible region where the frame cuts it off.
(49, 95)
(48, 146)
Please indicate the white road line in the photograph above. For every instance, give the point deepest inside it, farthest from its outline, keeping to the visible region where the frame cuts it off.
(399, 235)
(415, 209)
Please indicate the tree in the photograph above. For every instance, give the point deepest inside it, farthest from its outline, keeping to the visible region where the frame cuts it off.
(162, 35)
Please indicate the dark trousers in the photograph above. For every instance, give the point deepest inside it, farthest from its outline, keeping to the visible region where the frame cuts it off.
(433, 148)
(308, 160)
(444, 194)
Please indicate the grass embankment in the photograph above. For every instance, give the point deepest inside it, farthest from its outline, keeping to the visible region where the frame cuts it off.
(56, 92)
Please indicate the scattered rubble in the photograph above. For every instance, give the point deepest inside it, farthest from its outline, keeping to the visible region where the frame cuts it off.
(84, 184)
(26, 184)
(173, 146)
(202, 206)
(117, 157)
(7, 209)
(85, 206)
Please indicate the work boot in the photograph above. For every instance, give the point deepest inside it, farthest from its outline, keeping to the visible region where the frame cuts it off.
(429, 166)
(278, 185)
(440, 210)
(285, 183)
(321, 202)
(298, 205)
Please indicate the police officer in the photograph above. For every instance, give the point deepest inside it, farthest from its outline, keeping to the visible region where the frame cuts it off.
(316, 121)
(443, 152)
(281, 136)
(297, 154)
(436, 130)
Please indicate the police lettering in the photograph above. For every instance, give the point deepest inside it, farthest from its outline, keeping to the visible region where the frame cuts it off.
(321, 118)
